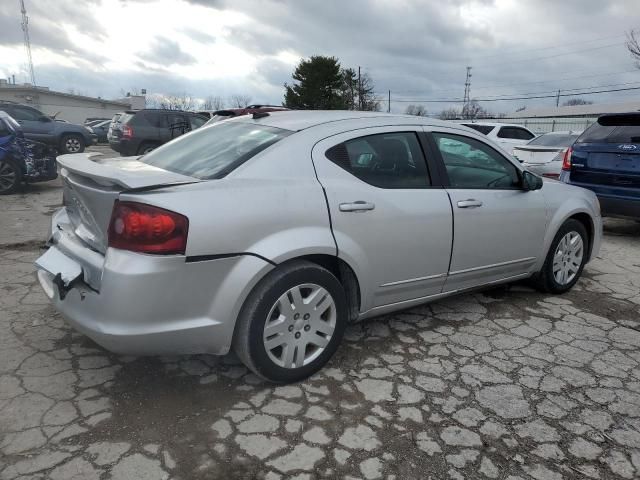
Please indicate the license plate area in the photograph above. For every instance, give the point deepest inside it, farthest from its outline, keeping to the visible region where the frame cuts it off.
(63, 272)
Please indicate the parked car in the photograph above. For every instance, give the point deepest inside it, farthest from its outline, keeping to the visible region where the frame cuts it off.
(66, 137)
(137, 132)
(22, 160)
(269, 233)
(94, 120)
(219, 115)
(544, 154)
(100, 129)
(606, 160)
(505, 135)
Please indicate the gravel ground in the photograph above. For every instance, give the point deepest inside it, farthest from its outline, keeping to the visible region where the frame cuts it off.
(507, 383)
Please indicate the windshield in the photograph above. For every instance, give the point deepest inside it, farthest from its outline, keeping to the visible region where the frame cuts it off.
(214, 151)
(554, 140)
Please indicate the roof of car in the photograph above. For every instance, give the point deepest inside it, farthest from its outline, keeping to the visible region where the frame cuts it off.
(296, 120)
(490, 124)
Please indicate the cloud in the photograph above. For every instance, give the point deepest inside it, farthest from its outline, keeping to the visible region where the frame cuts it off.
(167, 52)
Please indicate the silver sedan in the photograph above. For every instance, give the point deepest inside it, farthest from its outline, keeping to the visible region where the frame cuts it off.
(269, 234)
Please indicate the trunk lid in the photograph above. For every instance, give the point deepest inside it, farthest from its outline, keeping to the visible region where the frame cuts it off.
(92, 184)
(615, 166)
(536, 155)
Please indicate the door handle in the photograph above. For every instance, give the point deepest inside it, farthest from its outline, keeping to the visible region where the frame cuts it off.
(359, 206)
(469, 203)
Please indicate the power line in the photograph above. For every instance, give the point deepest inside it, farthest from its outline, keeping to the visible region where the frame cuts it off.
(553, 56)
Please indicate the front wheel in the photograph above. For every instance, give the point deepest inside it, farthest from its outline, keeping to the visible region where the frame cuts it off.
(292, 322)
(565, 260)
(72, 144)
(10, 176)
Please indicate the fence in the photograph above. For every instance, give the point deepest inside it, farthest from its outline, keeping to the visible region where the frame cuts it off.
(540, 126)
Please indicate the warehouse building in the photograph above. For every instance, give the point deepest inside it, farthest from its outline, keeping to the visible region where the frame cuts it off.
(66, 106)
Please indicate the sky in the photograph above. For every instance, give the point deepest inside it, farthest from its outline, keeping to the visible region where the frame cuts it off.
(418, 49)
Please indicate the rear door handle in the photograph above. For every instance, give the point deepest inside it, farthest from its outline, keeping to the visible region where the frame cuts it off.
(359, 206)
(469, 203)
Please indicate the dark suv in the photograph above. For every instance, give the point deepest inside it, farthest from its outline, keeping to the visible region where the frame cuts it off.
(66, 137)
(136, 132)
(606, 159)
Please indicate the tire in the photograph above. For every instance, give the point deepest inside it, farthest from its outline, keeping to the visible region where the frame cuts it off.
(10, 176)
(553, 282)
(146, 148)
(291, 336)
(72, 143)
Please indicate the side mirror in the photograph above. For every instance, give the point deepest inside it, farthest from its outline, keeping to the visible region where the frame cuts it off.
(45, 119)
(531, 181)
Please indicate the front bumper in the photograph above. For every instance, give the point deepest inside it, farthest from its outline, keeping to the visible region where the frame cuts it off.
(145, 304)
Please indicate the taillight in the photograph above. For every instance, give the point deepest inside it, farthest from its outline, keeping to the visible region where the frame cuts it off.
(127, 131)
(566, 161)
(139, 227)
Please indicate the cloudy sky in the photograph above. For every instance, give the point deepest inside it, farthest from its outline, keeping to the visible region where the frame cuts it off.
(416, 48)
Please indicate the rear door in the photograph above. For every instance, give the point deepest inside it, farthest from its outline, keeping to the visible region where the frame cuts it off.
(498, 228)
(606, 159)
(390, 218)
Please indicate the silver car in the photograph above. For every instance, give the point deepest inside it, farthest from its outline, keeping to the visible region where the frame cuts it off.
(544, 154)
(269, 234)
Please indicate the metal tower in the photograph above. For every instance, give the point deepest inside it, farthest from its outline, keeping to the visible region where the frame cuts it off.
(467, 88)
(27, 42)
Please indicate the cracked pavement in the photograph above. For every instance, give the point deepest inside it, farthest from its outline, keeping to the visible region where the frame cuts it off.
(507, 383)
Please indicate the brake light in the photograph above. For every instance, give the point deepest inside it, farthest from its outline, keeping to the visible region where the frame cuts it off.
(127, 131)
(139, 227)
(566, 161)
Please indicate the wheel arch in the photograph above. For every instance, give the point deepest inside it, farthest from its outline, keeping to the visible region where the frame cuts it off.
(587, 221)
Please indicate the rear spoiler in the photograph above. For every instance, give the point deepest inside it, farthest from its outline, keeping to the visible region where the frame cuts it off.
(631, 119)
(124, 172)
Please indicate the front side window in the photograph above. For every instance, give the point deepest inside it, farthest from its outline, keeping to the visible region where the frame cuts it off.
(22, 113)
(213, 152)
(472, 164)
(385, 160)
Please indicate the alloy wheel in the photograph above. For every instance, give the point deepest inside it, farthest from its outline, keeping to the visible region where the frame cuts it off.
(300, 326)
(8, 176)
(567, 258)
(72, 145)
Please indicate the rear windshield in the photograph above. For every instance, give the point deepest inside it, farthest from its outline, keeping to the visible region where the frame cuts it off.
(214, 151)
(485, 129)
(554, 140)
(597, 133)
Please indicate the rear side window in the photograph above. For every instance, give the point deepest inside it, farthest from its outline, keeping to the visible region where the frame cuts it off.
(213, 152)
(386, 160)
(515, 133)
(155, 119)
(597, 133)
(484, 129)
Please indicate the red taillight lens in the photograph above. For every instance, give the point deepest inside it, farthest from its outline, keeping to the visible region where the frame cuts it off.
(139, 227)
(127, 131)
(566, 161)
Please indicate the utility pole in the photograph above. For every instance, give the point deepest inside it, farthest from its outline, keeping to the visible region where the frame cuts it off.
(467, 90)
(359, 90)
(389, 103)
(27, 42)
(558, 99)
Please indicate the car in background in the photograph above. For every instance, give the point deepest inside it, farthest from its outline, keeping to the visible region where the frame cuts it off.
(226, 114)
(270, 233)
(137, 132)
(544, 154)
(606, 160)
(66, 137)
(505, 135)
(100, 129)
(93, 120)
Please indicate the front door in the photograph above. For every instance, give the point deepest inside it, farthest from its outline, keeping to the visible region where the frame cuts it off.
(34, 125)
(498, 227)
(389, 221)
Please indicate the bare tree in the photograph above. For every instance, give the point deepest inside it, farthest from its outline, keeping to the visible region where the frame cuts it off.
(576, 101)
(239, 101)
(449, 114)
(213, 103)
(473, 110)
(633, 45)
(171, 102)
(417, 110)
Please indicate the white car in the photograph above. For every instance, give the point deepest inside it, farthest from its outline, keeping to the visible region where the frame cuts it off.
(504, 134)
(544, 154)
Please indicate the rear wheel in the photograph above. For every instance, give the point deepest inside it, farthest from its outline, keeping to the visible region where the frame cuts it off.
(10, 176)
(292, 322)
(565, 260)
(146, 148)
(72, 143)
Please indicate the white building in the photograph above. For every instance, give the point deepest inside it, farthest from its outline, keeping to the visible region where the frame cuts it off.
(66, 106)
